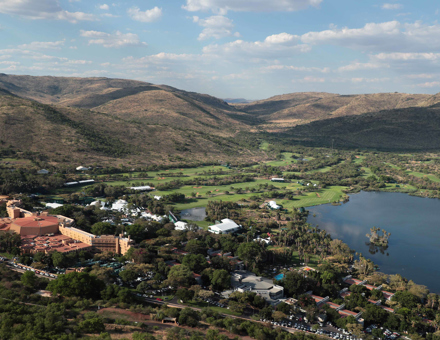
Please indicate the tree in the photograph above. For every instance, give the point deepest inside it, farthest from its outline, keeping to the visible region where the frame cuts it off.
(278, 315)
(364, 266)
(355, 329)
(196, 247)
(179, 276)
(77, 284)
(205, 294)
(142, 336)
(221, 280)
(306, 300)
(284, 307)
(128, 275)
(197, 263)
(251, 253)
(103, 228)
(95, 325)
(189, 317)
(185, 294)
(295, 283)
(266, 312)
(237, 307)
(59, 259)
(406, 299)
(29, 279)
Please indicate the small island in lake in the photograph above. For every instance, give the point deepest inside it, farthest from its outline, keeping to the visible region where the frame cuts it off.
(378, 237)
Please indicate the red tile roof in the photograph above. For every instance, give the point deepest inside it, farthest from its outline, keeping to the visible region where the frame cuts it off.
(36, 221)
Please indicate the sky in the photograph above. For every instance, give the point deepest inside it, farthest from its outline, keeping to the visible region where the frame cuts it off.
(251, 49)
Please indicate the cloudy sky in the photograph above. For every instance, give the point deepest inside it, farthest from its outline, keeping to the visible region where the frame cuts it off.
(229, 48)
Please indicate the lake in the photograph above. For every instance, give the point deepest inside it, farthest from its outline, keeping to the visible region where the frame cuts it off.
(414, 223)
(194, 214)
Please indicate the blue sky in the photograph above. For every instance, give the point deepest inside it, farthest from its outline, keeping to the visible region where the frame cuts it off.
(250, 49)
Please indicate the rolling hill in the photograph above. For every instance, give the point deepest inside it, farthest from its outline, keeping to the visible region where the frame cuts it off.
(282, 112)
(66, 134)
(115, 120)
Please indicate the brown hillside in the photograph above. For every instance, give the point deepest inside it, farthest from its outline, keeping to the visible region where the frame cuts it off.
(131, 100)
(286, 111)
(64, 134)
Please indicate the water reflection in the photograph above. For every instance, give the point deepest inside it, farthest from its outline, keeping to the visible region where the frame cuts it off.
(414, 246)
(373, 249)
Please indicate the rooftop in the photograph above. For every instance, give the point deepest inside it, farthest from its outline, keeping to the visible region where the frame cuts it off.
(36, 221)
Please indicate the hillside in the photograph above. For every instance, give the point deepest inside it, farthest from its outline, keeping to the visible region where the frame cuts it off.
(62, 134)
(282, 112)
(136, 101)
(116, 120)
(407, 129)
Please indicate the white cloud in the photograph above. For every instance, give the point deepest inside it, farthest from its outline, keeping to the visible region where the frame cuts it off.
(274, 46)
(109, 15)
(391, 6)
(420, 76)
(222, 6)
(216, 26)
(295, 68)
(117, 39)
(43, 45)
(104, 7)
(161, 58)
(309, 79)
(391, 36)
(369, 80)
(41, 9)
(406, 56)
(362, 66)
(430, 84)
(9, 62)
(78, 62)
(150, 15)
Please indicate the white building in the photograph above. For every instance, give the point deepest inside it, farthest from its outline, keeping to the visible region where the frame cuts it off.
(180, 225)
(277, 179)
(43, 172)
(157, 198)
(243, 281)
(226, 227)
(82, 168)
(152, 217)
(53, 205)
(273, 205)
(120, 205)
(142, 188)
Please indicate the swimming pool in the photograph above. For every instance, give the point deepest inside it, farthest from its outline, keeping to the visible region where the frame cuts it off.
(279, 277)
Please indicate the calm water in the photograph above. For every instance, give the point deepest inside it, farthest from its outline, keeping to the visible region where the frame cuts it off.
(194, 214)
(414, 223)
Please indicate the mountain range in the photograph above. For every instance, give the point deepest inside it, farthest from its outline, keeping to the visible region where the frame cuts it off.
(102, 120)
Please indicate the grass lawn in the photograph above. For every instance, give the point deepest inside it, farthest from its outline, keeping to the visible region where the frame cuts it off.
(327, 195)
(359, 159)
(203, 224)
(264, 146)
(367, 172)
(421, 175)
(9, 256)
(313, 262)
(164, 297)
